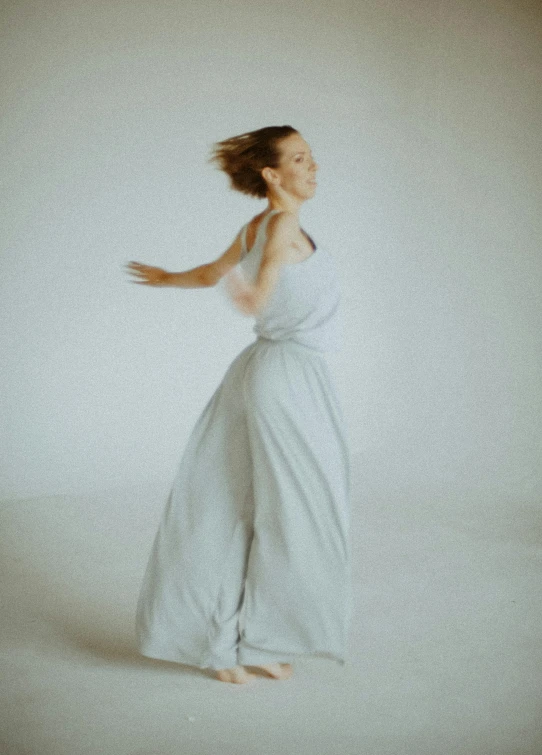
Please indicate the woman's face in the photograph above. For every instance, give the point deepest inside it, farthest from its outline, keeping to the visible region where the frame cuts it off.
(296, 172)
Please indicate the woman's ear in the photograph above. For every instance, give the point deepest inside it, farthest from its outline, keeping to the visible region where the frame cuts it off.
(269, 175)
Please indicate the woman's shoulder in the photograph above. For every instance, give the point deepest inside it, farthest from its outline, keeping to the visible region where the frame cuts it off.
(282, 222)
(273, 215)
(281, 233)
(279, 223)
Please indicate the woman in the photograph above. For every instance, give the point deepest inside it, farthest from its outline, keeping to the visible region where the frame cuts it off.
(250, 566)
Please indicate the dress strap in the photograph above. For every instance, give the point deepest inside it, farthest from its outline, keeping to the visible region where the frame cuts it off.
(244, 240)
(261, 230)
(263, 226)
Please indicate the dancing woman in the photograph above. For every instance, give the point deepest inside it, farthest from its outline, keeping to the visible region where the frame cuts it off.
(251, 564)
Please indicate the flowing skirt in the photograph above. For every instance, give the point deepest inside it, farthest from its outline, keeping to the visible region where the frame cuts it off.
(251, 562)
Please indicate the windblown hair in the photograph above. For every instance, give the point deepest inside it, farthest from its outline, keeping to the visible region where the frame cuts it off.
(243, 157)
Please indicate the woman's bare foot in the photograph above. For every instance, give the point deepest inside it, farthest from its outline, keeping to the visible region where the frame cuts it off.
(237, 675)
(277, 670)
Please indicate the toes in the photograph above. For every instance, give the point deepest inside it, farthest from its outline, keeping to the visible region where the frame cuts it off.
(277, 670)
(234, 676)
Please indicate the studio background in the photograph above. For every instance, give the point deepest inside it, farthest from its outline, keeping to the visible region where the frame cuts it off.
(425, 120)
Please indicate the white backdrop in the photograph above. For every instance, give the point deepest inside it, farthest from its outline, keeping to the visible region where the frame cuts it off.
(425, 118)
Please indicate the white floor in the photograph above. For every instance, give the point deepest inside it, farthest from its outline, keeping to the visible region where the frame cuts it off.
(445, 654)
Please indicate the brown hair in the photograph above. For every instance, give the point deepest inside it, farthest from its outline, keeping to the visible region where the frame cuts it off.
(243, 157)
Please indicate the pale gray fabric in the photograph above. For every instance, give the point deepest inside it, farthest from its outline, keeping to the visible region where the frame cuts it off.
(252, 559)
(304, 306)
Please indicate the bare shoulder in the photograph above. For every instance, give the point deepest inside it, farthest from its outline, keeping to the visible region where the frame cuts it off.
(281, 233)
(283, 223)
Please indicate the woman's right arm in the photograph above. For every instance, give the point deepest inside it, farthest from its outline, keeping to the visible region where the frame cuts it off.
(198, 277)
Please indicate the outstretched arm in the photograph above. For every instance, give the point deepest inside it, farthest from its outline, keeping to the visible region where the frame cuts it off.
(197, 277)
(204, 275)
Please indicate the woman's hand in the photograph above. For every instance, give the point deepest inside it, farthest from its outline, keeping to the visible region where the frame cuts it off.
(243, 294)
(150, 276)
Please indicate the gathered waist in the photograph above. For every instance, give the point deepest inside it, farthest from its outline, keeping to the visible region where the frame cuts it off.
(290, 343)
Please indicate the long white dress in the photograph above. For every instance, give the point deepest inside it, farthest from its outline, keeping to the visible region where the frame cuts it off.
(251, 562)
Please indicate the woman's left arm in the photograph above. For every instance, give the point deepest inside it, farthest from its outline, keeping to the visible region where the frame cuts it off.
(251, 298)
